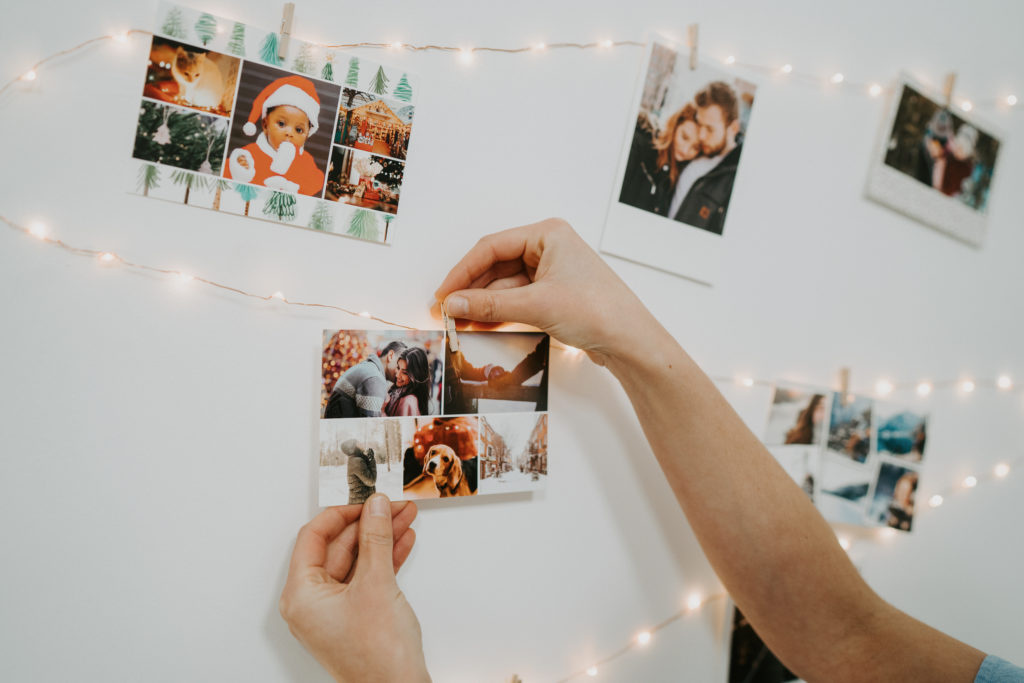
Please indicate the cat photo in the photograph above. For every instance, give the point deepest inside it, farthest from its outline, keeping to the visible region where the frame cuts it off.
(191, 77)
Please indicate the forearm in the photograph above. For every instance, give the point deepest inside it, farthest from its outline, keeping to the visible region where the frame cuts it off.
(774, 553)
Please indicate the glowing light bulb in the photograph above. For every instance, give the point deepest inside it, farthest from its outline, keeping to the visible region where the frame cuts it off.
(572, 350)
(121, 36)
(185, 277)
(643, 638)
(966, 105)
(967, 386)
(365, 314)
(1002, 469)
(1004, 382)
(844, 543)
(540, 46)
(924, 388)
(278, 295)
(746, 382)
(606, 43)
(935, 501)
(38, 230)
(591, 670)
(466, 55)
(730, 60)
(396, 46)
(874, 90)
(787, 68)
(837, 78)
(693, 601)
(884, 387)
(1011, 100)
(29, 75)
(970, 482)
(107, 257)
(887, 534)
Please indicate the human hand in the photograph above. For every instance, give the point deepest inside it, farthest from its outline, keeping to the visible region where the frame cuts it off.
(545, 275)
(495, 374)
(341, 600)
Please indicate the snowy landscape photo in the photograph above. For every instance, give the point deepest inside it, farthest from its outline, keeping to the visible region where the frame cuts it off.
(513, 452)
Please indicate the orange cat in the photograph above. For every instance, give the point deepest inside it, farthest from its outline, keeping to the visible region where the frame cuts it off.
(204, 79)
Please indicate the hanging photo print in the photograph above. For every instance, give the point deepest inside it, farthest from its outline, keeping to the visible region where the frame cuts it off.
(315, 139)
(678, 165)
(935, 164)
(403, 414)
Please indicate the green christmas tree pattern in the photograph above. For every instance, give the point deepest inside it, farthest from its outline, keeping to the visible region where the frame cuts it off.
(281, 206)
(236, 45)
(403, 91)
(363, 225)
(352, 79)
(380, 82)
(206, 27)
(219, 186)
(304, 61)
(149, 178)
(189, 180)
(247, 193)
(322, 219)
(172, 25)
(327, 73)
(268, 51)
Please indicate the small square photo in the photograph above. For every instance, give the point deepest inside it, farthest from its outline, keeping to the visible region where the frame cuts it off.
(849, 430)
(441, 460)
(369, 373)
(361, 457)
(894, 497)
(513, 452)
(902, 432)
(368, 123)
(189, 76)
(497, 372)
(797, 416)
(365, 180)
(181, 138)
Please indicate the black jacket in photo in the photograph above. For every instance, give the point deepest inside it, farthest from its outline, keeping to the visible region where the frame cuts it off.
(705, 204)
(645, 185)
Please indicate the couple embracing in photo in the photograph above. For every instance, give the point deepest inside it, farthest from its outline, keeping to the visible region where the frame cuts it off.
(394, 381)
(685, 169)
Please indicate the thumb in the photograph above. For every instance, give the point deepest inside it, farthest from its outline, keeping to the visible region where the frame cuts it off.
(513, 305)
(375, 563)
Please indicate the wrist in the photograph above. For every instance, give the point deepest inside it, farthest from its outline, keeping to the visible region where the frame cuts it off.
(641, 344)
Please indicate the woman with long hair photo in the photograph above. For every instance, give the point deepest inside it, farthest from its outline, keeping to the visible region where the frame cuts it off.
(410, 394)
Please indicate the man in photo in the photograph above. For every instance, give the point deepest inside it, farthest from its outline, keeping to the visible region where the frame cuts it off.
(287, 111)
(702, 191)
(459, 369)
(362, 472)
(362, 390)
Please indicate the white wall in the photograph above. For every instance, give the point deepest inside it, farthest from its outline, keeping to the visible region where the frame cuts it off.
(159, 443)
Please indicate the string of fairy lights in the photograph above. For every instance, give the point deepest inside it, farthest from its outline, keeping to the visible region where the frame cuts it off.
(694, 602)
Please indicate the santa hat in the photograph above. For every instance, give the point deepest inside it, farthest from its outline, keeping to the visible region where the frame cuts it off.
(294, 90)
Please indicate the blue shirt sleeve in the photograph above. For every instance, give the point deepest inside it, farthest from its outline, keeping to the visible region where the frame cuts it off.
(995, 670)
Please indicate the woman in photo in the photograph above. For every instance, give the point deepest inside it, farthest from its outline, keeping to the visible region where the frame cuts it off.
(657, 158)
(410, 394)
(807, 422)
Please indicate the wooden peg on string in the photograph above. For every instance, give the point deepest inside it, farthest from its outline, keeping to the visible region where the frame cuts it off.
(515, 679)
(286, 29)
(844, 386)
(449, 326)
(947, 88)
(691, 39)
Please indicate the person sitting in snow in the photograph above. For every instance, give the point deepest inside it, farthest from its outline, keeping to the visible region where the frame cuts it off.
(288, 109)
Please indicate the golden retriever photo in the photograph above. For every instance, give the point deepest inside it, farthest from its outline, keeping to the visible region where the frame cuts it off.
(441, 460)
(445, 467)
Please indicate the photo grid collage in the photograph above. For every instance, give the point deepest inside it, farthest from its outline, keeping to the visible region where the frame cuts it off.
(316, 139)
(858, 459)
(405, 414)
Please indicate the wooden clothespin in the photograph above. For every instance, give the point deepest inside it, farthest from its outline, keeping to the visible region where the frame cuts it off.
(286, 29)
(947, 88)
(515, 679)
(691, 39)
(449, 326)
(844, 386)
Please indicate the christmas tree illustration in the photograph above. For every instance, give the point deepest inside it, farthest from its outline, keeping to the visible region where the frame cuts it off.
(403, 91)
(304, 62)
(387, 224)
(322, 219)
(219, 185)
(236, 45)
(380, 82)
(352, 78)
(281, 206)
(189, 180)
(327, 73)
(206, 27)
(149, 178)
(363, 225)
(247, 193)
(172, 24)
(268, 51)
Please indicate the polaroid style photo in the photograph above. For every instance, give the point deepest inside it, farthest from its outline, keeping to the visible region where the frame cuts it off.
(935, 164)
(850, 427)
(893, 497)
(678, 165)
(441, 460)
(513, 452)
(361, 457)
(798, 416)
(497, 372)
(369, 373)
(902, 432)
(844, 488)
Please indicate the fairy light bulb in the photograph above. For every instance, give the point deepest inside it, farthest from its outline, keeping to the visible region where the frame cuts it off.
(844, 543)
(883, 387)
(29, 75)
(107, 257)
(966, 105)
(122, 36)
(365, 314)
(572, 351)
(924, 388)
(591, 670)
(787, 68)
(466, 55)
(1004, 382)
(967, 386)
(185, 278)
(970, 482)
(1011, 100)
(396, 46)
(746, 382)
(278, 295)
(1001, 470)
(38, 230)
(606, 43)
(837, 78)
(874, 90)
(643, 638)
(540, 46)
(693, 601)
(730, 60)
(935, 501)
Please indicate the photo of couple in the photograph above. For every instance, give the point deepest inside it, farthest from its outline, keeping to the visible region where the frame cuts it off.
(687, 142)
(380, 374)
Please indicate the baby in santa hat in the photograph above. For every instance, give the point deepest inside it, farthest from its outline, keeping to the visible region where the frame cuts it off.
(288, 109)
